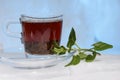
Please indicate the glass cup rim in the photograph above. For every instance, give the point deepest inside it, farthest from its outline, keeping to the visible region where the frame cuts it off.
(25, 18)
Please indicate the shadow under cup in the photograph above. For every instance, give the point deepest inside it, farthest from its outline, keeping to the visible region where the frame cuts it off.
(38, 34)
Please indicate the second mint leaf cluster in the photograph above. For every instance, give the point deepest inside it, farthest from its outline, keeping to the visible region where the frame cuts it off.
(82, 53)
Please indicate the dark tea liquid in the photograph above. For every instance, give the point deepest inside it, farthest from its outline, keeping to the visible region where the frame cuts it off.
(39, 36)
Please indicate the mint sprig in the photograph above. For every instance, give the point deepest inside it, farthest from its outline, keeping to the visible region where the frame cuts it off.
(82, 53)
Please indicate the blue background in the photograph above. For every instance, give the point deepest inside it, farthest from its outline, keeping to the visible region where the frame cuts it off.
(93, 20)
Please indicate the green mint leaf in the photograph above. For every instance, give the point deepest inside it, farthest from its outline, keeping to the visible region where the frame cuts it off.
(59, 50)
(82, 55)
(75, 60)
(100, 46)
(72, 39)
(90, 57)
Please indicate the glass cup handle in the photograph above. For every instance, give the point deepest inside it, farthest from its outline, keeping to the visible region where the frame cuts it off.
(11, 33)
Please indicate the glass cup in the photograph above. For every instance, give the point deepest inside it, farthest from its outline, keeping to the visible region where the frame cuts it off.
(38, 34)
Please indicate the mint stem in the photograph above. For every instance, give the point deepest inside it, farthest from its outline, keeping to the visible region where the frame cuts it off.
(77, 46)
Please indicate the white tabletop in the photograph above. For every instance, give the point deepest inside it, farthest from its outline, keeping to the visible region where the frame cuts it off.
(105, 67)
